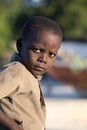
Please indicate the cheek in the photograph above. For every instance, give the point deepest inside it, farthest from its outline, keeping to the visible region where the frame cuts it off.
(24, 54)
(32, 58)
(51, 62)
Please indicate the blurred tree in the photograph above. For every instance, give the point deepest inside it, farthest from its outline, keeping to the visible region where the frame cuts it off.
(4, 27)
(71, 16)
(8, 13)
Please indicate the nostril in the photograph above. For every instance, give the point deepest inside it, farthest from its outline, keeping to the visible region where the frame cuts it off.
(42, 60)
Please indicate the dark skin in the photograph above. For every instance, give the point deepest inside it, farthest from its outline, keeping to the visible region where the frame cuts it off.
(7, 122)
(38, 54)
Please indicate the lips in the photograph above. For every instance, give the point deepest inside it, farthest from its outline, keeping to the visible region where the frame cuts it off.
(39, 68)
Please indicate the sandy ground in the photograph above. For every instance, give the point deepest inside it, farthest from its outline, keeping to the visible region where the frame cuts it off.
(66, 114)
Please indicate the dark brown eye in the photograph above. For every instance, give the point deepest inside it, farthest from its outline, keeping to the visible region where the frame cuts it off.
(52, 55)
(36, 50)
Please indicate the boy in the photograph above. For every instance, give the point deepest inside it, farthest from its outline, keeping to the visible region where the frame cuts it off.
(21, 100)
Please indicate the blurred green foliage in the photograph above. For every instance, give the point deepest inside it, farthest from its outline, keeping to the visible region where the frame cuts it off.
(70, 14)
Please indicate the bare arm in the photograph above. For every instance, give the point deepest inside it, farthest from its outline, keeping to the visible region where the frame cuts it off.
(8, 122)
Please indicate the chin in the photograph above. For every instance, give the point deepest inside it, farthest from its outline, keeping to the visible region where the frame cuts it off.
(36, 74)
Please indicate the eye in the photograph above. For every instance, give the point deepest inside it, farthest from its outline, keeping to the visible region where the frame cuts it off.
(36, 50)
(52, 55)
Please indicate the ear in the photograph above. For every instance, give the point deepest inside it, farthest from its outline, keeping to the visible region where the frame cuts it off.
(19, 44)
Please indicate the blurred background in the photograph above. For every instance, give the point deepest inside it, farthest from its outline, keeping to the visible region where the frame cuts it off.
(65, 85)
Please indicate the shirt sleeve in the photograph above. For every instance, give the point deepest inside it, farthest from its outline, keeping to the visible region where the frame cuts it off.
(9, 80)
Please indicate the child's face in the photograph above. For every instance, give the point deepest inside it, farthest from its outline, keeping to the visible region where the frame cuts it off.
(39, 52)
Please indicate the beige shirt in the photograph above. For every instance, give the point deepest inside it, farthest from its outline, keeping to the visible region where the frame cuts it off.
(20, 97)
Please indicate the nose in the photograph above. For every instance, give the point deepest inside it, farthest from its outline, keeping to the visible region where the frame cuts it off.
(43, 58)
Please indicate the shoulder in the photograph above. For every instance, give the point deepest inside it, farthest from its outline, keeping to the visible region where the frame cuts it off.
(11, 78)
(13, 69)
(17, 71)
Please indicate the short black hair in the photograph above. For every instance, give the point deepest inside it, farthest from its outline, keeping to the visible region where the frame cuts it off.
(41, 23)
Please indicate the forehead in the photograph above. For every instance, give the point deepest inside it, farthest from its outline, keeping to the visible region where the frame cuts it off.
(44, 38)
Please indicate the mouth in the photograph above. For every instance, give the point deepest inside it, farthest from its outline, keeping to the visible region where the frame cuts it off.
(39, 68)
